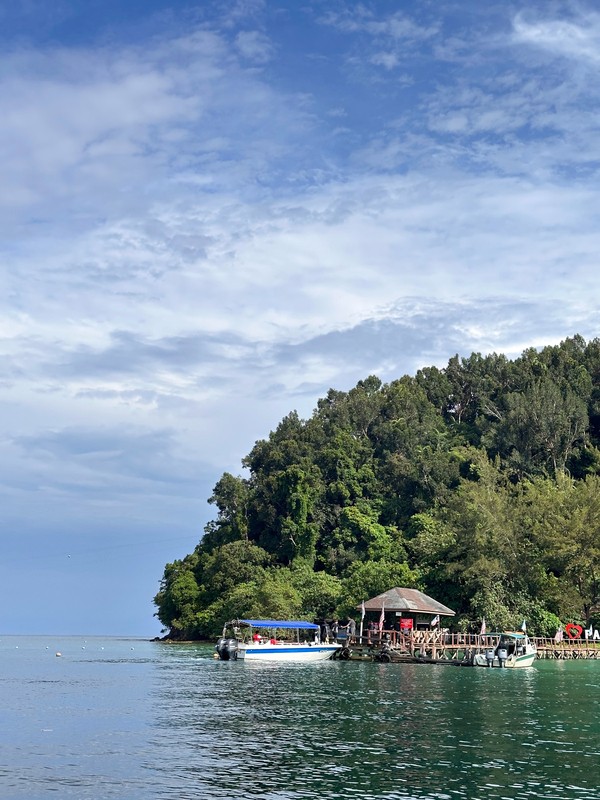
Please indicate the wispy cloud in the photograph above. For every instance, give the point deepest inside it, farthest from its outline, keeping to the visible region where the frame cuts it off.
(254, 46)
(214, 221)
(107, 132)
(397, 27)
(577, 38)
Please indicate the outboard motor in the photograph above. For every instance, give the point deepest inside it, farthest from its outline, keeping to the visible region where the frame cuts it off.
(502, 656)
(221, 648)
(231, 646)
(489, 657)
(385, 654)
(227, 649)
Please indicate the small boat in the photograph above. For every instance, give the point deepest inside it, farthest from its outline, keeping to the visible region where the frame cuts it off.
(513, 651)
(273, 640)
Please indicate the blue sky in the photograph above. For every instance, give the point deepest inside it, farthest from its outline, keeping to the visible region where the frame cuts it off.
(211, 213)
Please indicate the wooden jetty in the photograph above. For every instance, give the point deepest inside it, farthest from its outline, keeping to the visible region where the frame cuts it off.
(403, 624)
(569, 649)
(452, 649)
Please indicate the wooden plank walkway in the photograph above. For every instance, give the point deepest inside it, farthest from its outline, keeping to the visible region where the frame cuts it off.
(454, 648)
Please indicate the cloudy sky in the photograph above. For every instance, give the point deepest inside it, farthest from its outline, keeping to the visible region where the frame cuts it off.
(212, 212)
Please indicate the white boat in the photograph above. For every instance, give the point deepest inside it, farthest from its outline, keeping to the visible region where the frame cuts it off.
(273, 640)
(513, 651)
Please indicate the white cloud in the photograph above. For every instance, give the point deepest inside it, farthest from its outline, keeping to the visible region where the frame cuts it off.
(98, 134)
(254, 46)
(398, 26)
(385, 59)
(190, 249)
(578, 39)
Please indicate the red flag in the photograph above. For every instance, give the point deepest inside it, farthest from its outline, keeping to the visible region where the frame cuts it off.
(382, 617)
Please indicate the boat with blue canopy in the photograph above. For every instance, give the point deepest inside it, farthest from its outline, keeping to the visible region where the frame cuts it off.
(273, 640)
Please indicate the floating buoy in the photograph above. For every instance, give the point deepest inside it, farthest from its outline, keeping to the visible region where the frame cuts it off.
(58, 655)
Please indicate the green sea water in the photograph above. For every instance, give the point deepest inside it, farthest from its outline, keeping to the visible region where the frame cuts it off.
(121, 718)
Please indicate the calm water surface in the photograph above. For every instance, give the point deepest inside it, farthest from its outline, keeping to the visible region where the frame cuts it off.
(118, 718)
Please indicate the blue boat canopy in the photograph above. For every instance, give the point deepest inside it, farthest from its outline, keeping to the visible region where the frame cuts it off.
(278, 623)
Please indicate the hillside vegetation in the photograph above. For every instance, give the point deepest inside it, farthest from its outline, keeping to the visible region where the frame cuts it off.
(478, 483)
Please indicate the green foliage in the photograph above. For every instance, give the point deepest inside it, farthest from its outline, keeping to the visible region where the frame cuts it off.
(543, 622)
(380, 543)
(225, 567)
(543, 427)
(565, 517)
(366, 579)
(230, 495)
(269, 596)
(319, 592)
(479, 482)
(177, 598)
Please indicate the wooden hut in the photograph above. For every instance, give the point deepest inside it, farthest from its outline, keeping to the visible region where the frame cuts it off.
(404, 610)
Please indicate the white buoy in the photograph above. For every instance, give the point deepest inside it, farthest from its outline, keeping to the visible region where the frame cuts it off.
(58, 655)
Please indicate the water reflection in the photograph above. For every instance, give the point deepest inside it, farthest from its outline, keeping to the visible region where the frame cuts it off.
(334, 730)
(171, 722)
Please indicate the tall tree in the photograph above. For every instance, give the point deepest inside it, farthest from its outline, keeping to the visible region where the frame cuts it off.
(543, 427)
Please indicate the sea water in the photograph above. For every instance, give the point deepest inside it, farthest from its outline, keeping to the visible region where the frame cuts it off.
(126, 718)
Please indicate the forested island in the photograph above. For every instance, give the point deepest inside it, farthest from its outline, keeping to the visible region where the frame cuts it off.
(478, 483)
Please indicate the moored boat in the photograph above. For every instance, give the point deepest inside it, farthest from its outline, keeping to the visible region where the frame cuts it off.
(273, 640)
(513, 651)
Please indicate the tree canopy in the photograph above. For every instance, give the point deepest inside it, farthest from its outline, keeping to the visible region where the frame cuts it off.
(478, 483)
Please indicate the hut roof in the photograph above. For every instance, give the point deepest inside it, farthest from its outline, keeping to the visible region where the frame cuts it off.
(407, 600)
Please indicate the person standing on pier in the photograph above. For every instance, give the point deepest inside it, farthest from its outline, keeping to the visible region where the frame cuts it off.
(350, 627)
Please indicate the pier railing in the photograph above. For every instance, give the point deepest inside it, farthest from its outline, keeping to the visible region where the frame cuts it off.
(571, 648)
(428, 644)
(458, 646)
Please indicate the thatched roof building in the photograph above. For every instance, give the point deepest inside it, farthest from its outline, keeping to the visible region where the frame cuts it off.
(407, 600)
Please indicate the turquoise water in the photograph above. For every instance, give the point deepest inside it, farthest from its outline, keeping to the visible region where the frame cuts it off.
(119, 718)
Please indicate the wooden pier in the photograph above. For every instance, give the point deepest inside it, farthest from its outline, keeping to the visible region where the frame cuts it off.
(452, 649)
(570, 649)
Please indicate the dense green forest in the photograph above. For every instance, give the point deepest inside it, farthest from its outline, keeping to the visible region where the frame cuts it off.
(478, 483)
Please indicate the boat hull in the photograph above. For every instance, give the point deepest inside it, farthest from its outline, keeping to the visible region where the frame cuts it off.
(512, 662)
(288, 653)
